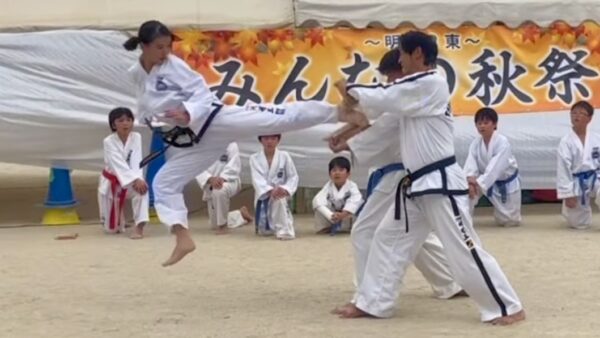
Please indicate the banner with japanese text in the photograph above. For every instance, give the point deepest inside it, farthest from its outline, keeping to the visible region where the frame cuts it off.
(526, 69)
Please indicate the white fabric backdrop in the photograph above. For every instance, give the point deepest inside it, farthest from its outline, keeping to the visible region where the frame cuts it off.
(453, 13)
(57, 87)
(129, 14)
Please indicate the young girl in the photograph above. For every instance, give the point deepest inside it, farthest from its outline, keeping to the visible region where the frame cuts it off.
(122, 176)
(170, 92)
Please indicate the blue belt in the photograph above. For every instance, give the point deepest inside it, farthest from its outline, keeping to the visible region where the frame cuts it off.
(376, 177)
(262, 208)
(501, 184)
(582, 179)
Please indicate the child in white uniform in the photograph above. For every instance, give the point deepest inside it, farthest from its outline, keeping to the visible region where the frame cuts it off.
(335, 205)
(275, 181)
(577, 168)
(220, 183)
(492, 170)
(122, 177)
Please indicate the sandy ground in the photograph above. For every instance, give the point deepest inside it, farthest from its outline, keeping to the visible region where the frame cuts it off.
(240, 285)
(243, 286)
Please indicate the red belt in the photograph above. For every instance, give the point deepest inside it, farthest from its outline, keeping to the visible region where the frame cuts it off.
(118, 197)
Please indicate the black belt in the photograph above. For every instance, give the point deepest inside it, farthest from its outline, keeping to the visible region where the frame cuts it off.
(405, 183)
(172, 137)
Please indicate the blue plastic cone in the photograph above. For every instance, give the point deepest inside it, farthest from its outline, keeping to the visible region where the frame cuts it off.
(157, 144)
(60, 201)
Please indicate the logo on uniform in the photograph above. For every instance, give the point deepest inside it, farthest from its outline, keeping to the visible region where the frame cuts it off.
(224, 158)
(163, 85)
(128, 159)
(280, 174)
(596, 153)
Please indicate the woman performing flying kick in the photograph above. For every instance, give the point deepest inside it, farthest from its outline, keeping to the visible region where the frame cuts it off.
(169, 92)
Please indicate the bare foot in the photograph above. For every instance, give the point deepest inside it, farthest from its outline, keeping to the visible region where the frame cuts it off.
(510, 319)
(184, 245)
(222, 230)
(340, 309)
(460, 294)
(353, 312)
(246, 215)
(138, 231)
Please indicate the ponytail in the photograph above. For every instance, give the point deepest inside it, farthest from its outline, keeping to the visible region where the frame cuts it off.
(148, 32)
(132, 43)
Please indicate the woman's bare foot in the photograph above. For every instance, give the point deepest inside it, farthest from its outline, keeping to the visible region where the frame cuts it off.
(353, 312)
(183, 246)
(138, 231)
(246, 215)
(508, 320)
(340, 309)
(222, 230)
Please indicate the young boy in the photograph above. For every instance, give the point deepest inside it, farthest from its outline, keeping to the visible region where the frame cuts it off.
(122, 177)
(275, 180)
(577, 169)
(220, 182)
(492, 170)
(337, 202)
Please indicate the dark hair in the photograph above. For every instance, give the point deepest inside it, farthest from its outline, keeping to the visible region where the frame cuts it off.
(277, 135)
(339, 162)
(486, 114)
(412, 40)
(390, 61)
(585, 106)
(148, 32)
(116, 114)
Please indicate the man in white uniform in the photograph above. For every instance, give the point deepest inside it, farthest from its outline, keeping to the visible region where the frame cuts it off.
(492, 170)
(577, 168)
(220, 182)
(435, 188)
(373, 147)
(122, 177)
(275, 181)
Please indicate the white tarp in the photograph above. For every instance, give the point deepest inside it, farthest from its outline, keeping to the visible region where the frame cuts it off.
(57, 87)
(422, 13)
(129, 14)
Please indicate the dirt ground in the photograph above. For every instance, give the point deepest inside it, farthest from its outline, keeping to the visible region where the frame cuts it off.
(240, 285)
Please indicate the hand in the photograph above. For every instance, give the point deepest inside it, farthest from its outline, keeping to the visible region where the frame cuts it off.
(179, 115)
(340, 216)
(140, 186)
(216, 183)
(472, 191)
(278, 193)
(571, 202)
(336, 145)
